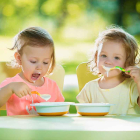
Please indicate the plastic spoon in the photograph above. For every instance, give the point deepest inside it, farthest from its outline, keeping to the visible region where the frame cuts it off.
(116, 67)
(121, 69)
(43, 96)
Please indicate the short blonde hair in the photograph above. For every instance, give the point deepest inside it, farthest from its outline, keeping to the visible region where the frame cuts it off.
(33, 36)
(116, 34)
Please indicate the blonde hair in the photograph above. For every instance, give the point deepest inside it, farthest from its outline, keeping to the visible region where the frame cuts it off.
(119, 35)
(33, 36)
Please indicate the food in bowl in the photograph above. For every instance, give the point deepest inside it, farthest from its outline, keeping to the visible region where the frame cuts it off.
(93, 109)
(52, 108)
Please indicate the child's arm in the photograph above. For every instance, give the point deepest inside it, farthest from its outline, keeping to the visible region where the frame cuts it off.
(135, 74)
(19, 88)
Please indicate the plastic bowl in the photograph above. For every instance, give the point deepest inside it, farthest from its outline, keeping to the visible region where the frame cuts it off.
(93, 109)
(52, 108)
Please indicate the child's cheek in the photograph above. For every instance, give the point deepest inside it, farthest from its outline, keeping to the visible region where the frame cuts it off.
(100, 68)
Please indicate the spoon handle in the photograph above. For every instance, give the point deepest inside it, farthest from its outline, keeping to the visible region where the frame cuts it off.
(117, 67)
(35, 92)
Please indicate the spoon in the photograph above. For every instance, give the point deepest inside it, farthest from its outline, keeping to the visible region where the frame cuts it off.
(43, 96)
(116, 67)
(121, 69)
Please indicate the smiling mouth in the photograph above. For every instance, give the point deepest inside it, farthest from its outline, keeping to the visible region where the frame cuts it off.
(35, 76)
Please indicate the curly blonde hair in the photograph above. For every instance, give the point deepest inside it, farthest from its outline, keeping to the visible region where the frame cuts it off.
(33, 36)
(119, 35)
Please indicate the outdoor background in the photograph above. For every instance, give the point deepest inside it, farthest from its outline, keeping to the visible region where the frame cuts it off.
(73, 24)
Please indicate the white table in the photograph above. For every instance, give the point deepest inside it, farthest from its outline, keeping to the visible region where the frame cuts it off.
(70, 127)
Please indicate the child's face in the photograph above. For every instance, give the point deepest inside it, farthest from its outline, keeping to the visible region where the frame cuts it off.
(111, 54)
(35, 62)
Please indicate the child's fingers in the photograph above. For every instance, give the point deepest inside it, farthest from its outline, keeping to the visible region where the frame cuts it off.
(29, 91)
(127, 73)
(22, 94)
(19, 95)
(130, 68)
(25, 92)
(134, 74)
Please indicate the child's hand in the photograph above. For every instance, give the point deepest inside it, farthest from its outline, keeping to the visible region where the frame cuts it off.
(20, 89)
(134, 73)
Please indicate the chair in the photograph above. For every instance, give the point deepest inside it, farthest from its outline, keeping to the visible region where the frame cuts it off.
(58, 76)
(84, 75)
(5, 71)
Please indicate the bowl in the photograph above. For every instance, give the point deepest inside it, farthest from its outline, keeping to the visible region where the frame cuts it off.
(52, 108)
(93, 109)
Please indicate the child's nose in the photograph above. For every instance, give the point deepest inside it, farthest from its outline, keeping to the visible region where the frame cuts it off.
(39, 66)
(108, 61)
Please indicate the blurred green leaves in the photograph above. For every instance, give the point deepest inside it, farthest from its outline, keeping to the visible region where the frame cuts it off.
(51, 8)
(68, 19)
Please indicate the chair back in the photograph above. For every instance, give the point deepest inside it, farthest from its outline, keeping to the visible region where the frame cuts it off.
(58, 76)
(5, 71)
(84, 75)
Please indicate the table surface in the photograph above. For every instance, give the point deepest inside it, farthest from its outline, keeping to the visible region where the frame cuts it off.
(70, 126)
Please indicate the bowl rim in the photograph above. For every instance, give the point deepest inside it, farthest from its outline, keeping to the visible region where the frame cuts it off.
(92, 104)
(45, 104)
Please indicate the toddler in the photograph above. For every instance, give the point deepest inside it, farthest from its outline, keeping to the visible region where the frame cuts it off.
(35, 56)
(114, 47)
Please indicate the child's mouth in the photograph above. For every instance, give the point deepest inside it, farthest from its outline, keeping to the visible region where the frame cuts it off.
(35, 76)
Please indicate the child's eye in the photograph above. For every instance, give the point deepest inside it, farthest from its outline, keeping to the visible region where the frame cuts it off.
(33, 61)
(45, 63)
(103, 55)
(117, 58)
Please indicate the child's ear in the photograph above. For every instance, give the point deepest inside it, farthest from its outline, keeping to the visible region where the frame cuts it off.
(17, 57)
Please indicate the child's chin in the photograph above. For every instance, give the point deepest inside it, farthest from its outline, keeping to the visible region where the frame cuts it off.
(35, 79)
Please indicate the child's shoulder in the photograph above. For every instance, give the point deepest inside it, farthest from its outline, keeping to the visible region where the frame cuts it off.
(49, 81)
(129, 81)
(9, 80)
(6, 82)
(92, 82)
